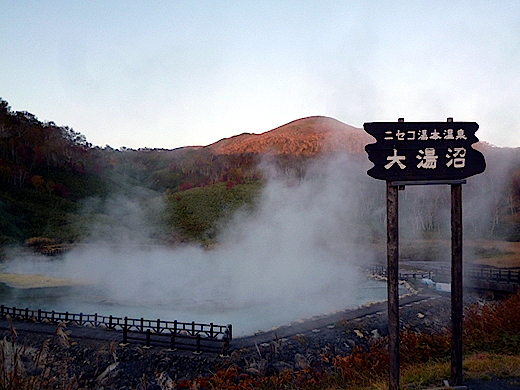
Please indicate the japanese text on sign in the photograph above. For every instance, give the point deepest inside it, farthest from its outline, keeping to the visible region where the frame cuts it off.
(423, 150)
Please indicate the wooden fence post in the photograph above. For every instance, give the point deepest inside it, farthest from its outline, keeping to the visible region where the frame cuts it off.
(172, 342)
(225, 340)
(198, 345)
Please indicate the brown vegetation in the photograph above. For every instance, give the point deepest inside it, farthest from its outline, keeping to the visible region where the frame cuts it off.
(303, 137)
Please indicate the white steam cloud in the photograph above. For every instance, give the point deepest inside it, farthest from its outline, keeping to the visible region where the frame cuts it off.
(296, 256)
(299, 254)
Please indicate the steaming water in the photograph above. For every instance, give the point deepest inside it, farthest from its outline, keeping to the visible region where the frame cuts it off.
(296, 256)
(248, 319)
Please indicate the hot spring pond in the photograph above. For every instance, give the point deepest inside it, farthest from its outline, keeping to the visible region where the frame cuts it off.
(247, 317)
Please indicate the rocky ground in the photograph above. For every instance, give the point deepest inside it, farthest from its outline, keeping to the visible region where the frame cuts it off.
(94, 358)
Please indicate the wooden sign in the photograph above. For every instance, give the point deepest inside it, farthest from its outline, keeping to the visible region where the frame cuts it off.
(408, 151)
(424, 153)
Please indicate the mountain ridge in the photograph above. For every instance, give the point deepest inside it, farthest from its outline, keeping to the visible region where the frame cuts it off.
(307, 136)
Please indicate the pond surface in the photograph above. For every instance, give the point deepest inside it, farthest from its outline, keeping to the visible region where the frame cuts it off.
(246, 318)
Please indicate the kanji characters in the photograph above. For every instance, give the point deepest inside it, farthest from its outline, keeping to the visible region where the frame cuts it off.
(423, 136)
(428, 158)
(395, 159)
(448, 134)
(460, 134)
(435, 135)
(423, 151)
(456, 157)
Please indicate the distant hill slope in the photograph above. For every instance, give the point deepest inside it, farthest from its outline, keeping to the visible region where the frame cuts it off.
(302, 137)
(48, 173)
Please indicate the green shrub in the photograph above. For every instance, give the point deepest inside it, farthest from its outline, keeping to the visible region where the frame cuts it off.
(199, 212)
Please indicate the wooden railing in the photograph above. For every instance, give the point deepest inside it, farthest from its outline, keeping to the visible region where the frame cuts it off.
(181, 340)
(381, 270)
(494, 274)
(500, 279)
(174, 334)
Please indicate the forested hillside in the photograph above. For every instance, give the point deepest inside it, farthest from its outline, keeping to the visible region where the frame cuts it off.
(45, 170)
(49, 173)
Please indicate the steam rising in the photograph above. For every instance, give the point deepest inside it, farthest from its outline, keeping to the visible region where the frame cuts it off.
(295, 256)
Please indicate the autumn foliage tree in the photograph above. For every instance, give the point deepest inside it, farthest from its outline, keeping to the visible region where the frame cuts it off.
(33, 153)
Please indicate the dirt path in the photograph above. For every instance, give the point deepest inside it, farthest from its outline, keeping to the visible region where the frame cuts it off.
(322, 323)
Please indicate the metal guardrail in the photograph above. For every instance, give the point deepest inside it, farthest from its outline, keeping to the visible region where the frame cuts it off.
(174, 334)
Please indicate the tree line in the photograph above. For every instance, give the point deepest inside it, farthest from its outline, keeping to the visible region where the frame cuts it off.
(46, 169)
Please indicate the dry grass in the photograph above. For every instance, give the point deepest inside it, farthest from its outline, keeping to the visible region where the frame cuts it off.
(496, 253)
(35, 281)
(22, 367)
(482, 365)
(421, 376)
(503, 254)
(433, 374)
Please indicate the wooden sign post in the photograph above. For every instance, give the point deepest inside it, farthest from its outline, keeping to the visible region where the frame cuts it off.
(424, 153)
(456, 284)
(392, 252)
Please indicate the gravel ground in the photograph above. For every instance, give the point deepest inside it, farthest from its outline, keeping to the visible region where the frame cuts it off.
(95, 358)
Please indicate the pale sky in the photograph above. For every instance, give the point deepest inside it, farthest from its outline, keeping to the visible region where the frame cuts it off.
(177, 73)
